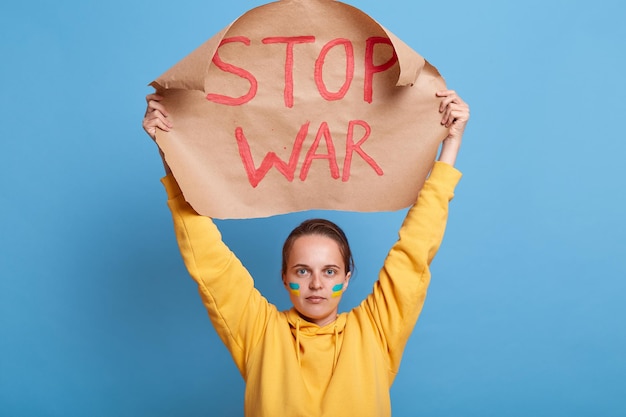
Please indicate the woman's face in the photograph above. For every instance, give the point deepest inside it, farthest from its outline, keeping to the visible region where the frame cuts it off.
(315, 278)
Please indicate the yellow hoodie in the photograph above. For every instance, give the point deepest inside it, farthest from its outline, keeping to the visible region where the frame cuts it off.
(296, 368)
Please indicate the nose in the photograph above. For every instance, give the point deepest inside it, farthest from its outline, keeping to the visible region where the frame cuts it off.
(316, 282)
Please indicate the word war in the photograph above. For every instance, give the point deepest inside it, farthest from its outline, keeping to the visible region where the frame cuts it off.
(288, 169)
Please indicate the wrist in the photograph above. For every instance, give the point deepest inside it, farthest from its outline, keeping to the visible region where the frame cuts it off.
(449, 151)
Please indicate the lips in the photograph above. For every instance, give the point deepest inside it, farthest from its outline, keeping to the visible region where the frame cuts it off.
(315, 299)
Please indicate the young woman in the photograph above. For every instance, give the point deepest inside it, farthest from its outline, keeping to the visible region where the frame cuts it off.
(310, 360)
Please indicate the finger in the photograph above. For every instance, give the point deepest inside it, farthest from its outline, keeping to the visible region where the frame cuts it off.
(447, 117)
(150, 126)
(162, 125)
(455, 115)
(153, 96)
(458, 119)
(157, 112)
(448, 100)
(447, 96)
(157, 115)
(461, 110)
(446, 109)
(155, 105)
(445, 93)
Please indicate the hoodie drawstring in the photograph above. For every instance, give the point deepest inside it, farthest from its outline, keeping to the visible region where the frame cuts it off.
(336, 354)
(298, 342)
(335, 343)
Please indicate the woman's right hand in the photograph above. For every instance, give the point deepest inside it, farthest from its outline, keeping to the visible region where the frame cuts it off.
(156, 116)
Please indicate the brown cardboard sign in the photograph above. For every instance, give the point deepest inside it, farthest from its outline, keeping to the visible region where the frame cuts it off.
(297, 105)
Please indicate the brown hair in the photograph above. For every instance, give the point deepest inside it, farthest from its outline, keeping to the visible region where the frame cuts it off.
(321, 227)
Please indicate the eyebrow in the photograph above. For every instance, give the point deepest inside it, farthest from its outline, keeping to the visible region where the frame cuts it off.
(307, 266)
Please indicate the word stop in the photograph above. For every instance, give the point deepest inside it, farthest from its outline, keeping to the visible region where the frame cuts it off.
(290, 43)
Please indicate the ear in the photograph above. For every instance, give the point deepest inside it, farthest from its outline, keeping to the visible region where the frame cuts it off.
(285, 283)
(346, 282)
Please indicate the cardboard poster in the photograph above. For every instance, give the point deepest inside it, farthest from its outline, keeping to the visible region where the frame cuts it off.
(297, 105)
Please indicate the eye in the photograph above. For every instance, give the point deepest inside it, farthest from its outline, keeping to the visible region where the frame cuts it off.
(301, 271)
(331, 272)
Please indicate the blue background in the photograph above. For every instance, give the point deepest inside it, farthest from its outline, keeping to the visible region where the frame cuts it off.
(526, 311)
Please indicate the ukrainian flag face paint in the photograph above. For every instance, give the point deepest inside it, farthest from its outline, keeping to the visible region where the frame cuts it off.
(294, 288)
(337, 290)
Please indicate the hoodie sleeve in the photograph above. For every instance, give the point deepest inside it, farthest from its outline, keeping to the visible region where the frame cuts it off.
(398, 296)
(237, 310)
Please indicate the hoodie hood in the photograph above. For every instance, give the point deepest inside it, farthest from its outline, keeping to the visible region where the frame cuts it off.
(302, 329)
(308, 328)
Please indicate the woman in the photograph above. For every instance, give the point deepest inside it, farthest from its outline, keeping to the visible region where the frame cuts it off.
(310, 360)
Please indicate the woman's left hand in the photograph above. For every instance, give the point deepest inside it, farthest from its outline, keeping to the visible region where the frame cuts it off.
(455, 114)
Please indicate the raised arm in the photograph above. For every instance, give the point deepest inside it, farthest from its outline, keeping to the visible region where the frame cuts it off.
(237, 310)
(399, 293)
